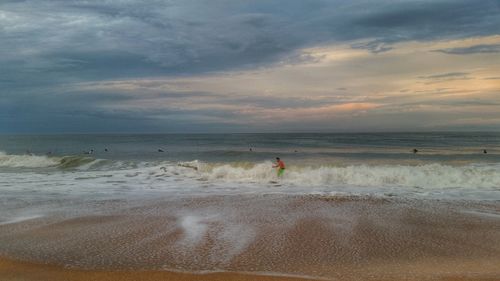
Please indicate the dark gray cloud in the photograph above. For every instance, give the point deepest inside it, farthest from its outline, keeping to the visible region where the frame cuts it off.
(441, 77)
(376, 46)
(477, 49)
(449, 75)
(96, 111)
(49, 43)
(92, 39)
(453, 103)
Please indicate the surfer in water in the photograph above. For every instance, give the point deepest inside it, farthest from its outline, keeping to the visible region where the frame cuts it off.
(280, 165)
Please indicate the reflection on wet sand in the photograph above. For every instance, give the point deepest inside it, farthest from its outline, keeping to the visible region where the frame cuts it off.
(333, 237)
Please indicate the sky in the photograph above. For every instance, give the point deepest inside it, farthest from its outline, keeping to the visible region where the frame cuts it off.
(219, 66)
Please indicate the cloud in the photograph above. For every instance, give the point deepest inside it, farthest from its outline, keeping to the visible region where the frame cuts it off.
(446, 77)
(127, 38)
(449, 75)
(477, 49)
(373, 46)
(105, 60)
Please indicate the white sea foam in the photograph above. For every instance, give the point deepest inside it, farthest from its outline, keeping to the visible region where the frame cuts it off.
(194, 228)
(431, 176)
(423, 176)
(106, 177)
(27, 161)
(20, 219)
(42, 161)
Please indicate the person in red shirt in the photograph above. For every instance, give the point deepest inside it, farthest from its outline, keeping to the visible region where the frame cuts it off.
(280, 165)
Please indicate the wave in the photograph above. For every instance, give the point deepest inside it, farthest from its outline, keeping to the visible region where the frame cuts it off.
(420, 176)
(432, 175)
(27, 161)
(76, 161)
(41, 161)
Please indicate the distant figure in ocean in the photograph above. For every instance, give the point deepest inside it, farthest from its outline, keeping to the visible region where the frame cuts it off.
(250, 149)
(415, 151)
(160, 150)
(105, 150)
(280, 165)
(484, 151)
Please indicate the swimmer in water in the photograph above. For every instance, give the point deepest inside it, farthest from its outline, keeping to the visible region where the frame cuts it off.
(280, 165)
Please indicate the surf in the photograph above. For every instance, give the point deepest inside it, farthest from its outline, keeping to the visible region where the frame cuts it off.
(43, 161)
(433, 175)
(308, 176)
(27, 161)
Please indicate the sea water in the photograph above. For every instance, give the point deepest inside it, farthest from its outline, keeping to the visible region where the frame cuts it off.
(447, 165)
(45, 173)
(42, 173)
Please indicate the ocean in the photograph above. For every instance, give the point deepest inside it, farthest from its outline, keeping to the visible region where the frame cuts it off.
(213, 202)
(450, 165)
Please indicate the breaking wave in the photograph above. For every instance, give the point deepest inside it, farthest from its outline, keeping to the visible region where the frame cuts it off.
(423, 176)
(27, 161)
(431, 175)
(76, 161)
(41, 161)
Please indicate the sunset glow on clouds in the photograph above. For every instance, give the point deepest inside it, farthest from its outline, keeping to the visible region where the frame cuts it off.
(373, 71)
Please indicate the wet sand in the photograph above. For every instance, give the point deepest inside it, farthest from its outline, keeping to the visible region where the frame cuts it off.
(17, 271)
(23, 271)
(332, 237)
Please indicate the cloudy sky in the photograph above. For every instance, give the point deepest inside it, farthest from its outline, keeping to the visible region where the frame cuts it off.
(249, 66)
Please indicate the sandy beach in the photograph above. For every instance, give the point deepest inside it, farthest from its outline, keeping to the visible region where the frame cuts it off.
(314, 237)
(17, 271)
